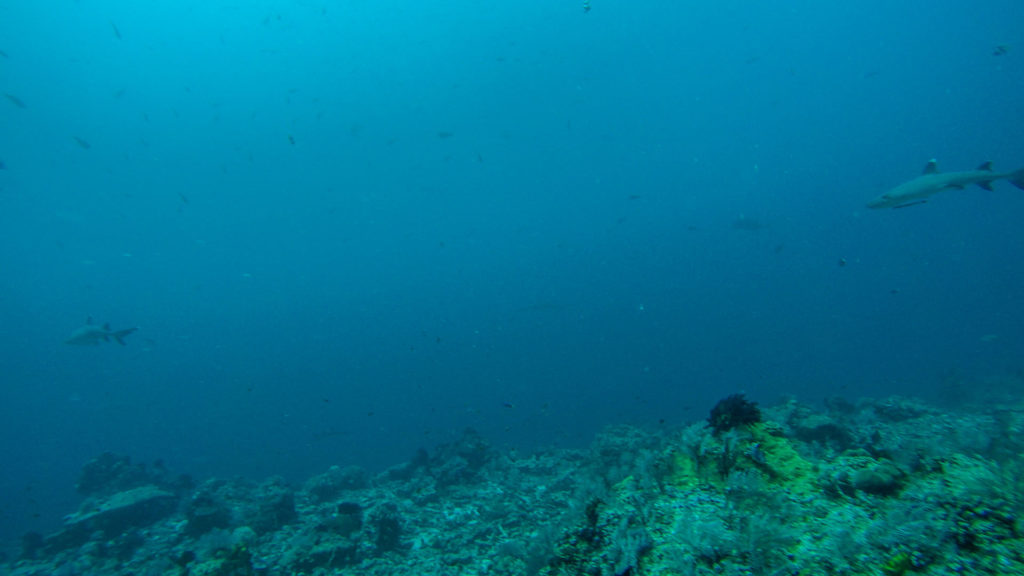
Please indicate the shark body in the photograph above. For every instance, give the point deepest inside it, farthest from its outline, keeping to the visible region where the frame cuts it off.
(932, 181)
(92, 335)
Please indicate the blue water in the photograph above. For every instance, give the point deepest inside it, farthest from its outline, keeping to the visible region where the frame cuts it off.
(347, 230)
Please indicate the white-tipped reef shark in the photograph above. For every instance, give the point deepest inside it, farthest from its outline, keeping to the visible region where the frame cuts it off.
(92, 335)
(932, 181)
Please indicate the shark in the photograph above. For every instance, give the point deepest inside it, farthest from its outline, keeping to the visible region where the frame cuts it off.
(931, 181)
(92, 335)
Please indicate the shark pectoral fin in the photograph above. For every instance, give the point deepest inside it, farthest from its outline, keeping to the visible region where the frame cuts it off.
(932, 167)
(986, 185)
(914, 203)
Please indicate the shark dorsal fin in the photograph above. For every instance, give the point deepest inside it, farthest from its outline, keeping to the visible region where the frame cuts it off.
(986, 166)
(932, 167)
(88, 320)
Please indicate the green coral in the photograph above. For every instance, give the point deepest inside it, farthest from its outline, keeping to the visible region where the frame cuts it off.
(684, 471)
(760, 447)
(785, 466)
(236, 562)
(898, 565)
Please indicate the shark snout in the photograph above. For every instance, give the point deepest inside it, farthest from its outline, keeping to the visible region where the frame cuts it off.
(880, 202)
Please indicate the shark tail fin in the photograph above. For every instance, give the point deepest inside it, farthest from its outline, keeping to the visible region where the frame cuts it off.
(1017, 178)
(120, 334)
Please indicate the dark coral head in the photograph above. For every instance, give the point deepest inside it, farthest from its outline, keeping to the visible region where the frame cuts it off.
(732, 412)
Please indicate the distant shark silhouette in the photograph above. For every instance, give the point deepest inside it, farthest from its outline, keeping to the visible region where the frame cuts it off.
(932, 181)
(92, 335)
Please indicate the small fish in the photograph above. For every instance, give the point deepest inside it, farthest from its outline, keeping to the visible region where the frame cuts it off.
(291, 140)
(82, 143)
(2, 165)
(184, 199)
(1000, 50)
(749, 224)
(756, 453)
(444, 135)
(3, 54)
(117, 33)
(15, 100)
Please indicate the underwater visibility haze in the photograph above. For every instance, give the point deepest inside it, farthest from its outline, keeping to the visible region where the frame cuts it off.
(254, 239)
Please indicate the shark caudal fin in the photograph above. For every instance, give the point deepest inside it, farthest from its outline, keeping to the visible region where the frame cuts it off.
(120, 334)
(1017, 178)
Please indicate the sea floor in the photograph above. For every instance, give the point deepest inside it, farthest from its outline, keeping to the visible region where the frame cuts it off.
(876, 486)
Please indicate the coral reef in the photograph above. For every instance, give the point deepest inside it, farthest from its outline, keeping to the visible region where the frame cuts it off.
(892, 487)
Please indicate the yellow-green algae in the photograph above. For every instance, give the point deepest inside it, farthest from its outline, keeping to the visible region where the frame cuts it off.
(786, 472)
(787, 469)
(782, 465)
